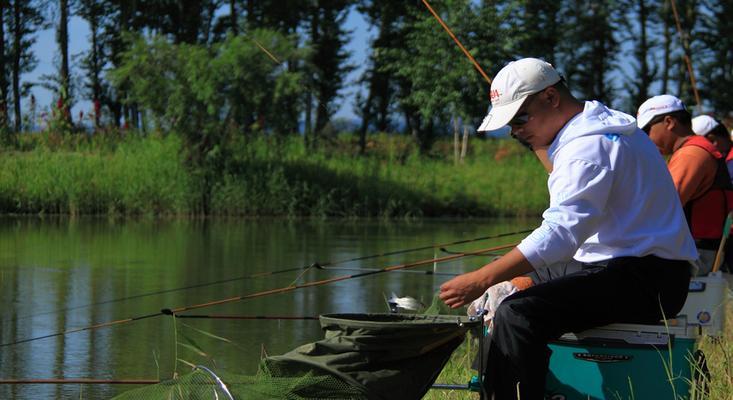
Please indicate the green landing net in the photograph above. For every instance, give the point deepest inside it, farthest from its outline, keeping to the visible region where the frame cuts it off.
(362, 356)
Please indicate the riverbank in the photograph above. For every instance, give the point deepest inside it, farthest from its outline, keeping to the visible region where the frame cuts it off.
(268, 176)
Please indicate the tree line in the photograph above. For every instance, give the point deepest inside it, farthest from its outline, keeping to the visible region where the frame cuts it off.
(212, 70)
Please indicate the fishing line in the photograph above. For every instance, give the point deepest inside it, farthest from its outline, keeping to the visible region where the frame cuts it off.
(167, 311)
(268, 273)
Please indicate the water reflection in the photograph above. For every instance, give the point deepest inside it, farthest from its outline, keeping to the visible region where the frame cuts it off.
(58, 275)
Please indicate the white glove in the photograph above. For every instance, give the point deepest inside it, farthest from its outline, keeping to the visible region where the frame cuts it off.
(496, 294)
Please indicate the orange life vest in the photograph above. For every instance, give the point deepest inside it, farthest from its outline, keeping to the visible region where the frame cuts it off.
(706, 213)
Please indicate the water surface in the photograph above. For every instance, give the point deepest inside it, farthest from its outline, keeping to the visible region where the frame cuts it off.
(58, 275)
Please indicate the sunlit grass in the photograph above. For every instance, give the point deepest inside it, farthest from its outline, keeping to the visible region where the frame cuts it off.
(133, 174)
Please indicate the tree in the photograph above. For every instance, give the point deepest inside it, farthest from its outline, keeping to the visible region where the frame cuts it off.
(94, 60)
(665, 14)
(185, 21)
(436, 81)
(62, 37)
(716, 35)
(375, 108)
(536, 28)
(4, 117)
(328, 60)
(25, 20)
(589, 48)
(123, 20)
(212, 94)
(687, 11)
(644, 69)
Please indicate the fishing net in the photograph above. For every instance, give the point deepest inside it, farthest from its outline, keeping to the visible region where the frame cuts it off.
(200, 385)
(362, 356)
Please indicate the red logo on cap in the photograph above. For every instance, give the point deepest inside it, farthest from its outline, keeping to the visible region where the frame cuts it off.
(494, 94)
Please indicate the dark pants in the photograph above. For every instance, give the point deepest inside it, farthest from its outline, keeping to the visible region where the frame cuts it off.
(629, 289)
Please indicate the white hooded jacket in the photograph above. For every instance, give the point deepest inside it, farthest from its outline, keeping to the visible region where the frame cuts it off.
(611, 196)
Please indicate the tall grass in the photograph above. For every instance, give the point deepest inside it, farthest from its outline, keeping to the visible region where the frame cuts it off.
(269, 176)
(273, 176)
(130, 175)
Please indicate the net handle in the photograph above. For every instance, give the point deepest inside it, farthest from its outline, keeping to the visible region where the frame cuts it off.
(219, 382)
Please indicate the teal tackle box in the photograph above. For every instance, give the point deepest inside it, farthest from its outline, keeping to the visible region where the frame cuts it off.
(624, 361)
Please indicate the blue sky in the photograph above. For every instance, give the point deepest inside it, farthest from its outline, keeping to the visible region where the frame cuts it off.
(46, 52)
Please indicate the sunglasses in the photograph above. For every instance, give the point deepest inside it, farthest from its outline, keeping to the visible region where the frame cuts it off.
(648, 127)
(523, 117)
(519, 119)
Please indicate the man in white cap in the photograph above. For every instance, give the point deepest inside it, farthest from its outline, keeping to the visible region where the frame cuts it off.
(609, 209)
(714, 131)
(698, 171)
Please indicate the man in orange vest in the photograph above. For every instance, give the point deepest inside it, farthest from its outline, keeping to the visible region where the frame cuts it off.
(714, 131)
(698, 171)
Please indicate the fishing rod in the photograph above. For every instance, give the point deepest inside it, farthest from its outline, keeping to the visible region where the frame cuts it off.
(270, 273)
(89, 381)
(334, 279)
(458, 42)
(168, 311)
(686, 51)
(444, 250)
(245, 317)
(80, 381)
(428, 272)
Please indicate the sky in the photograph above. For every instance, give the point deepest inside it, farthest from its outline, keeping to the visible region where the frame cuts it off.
(46, 51)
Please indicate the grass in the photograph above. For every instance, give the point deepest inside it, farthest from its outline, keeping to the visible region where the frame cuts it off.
(132, 174)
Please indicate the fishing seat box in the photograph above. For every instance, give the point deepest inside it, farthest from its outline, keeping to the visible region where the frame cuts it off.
(705, 305)
(626, 361)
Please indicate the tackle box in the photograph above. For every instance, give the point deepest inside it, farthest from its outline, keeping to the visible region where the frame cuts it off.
(623, 361)
(626, 361)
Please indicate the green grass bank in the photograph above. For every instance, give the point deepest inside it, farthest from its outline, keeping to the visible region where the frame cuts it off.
(268, 176)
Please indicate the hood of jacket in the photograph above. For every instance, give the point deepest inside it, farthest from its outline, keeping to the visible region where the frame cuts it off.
(595, 119)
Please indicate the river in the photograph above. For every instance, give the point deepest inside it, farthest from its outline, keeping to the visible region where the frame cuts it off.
(59, 275)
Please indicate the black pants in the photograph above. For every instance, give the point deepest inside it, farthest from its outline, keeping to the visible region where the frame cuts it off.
(629, 289)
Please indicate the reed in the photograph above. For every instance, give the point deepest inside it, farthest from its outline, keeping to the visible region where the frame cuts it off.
(135, 174)
(283, 177)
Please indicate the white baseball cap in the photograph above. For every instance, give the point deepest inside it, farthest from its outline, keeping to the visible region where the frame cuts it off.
(703, 124)
(657, 105)
(512, 85)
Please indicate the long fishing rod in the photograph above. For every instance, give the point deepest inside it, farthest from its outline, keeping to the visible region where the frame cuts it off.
(248, 317)
(458, 42)
(685, 51)
(428, 272)
(84, 381)
(167, 311)
(270, 273)
(80, 381)
(334, 279)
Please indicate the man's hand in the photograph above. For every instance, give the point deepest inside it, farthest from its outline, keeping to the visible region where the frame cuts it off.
(463, 289)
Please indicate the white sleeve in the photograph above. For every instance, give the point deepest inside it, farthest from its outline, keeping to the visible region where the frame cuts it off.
(579, 191)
